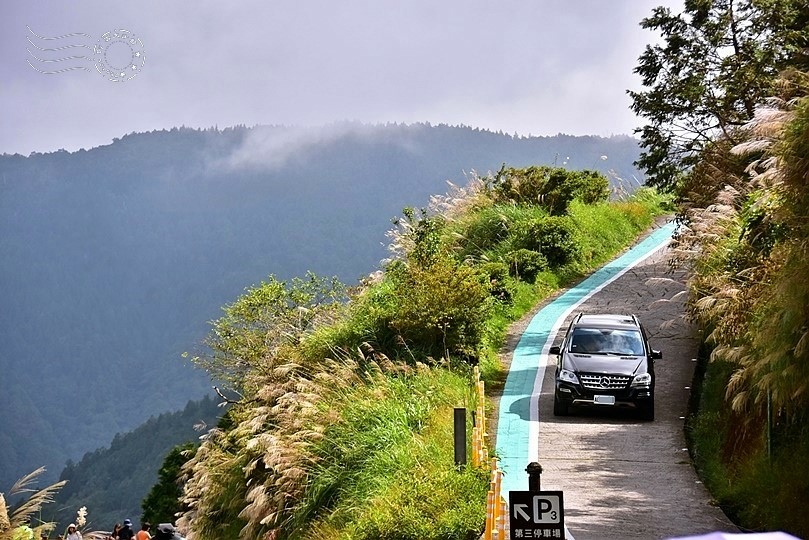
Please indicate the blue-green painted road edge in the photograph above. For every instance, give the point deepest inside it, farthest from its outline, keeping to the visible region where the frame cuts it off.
(518, 417)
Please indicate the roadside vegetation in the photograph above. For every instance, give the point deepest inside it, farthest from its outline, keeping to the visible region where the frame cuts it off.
(340, 424)
(750, 293)
(727, 104)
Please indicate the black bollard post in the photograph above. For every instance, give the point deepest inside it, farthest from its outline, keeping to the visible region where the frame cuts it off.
(460, 436)
(534, 471)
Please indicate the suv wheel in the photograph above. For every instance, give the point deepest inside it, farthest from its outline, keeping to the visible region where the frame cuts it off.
(559, 408)
(647, 410)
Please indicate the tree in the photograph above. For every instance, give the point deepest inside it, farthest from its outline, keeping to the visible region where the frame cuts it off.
(263, 320)
(441, 309)
(551, 188)
(162, 503)
(718, 60)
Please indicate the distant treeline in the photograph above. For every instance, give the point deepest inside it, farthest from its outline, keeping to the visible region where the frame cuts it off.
(112, 481)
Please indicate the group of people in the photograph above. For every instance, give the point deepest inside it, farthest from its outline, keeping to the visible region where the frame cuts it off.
(125, 532)
(165, 531)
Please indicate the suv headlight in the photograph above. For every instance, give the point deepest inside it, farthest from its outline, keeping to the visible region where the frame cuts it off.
(568, 376)
(643, 379)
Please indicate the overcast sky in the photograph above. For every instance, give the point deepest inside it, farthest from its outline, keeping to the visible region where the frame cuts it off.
(536, 67)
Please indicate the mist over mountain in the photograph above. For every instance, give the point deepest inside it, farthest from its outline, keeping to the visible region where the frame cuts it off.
(114, 259)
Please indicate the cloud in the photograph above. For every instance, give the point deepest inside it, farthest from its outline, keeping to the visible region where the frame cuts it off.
(273, 147)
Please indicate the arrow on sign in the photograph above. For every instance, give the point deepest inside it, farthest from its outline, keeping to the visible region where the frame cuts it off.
(520, 509)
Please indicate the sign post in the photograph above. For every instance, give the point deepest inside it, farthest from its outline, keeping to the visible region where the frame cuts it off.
(536, 513)
(459, 423)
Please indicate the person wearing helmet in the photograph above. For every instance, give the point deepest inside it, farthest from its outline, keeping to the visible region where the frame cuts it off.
(126, 532)
(166, 531)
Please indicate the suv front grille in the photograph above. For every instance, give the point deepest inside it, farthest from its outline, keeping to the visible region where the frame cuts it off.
(597, 381)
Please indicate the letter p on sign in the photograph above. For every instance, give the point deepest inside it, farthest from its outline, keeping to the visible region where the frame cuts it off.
(546, 509)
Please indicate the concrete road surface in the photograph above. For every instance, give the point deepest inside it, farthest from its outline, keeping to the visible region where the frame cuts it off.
(624, 478)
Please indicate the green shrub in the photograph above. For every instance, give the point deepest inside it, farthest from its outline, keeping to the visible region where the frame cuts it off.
(525, 264)
(547, 187)
(266, 318)
(424, 235)
(483, 230)
(591, 186)
(368, 320)
(553, 236)
(497, 276)
(485, 234)
(552, 188)
(441, 310)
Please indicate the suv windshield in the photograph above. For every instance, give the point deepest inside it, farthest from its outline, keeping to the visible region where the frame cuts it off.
(606, 341)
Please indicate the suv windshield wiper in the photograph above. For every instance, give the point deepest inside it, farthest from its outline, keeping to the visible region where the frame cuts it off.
(611, 353)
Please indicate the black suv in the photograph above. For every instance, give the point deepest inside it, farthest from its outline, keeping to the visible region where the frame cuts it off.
(605, 360)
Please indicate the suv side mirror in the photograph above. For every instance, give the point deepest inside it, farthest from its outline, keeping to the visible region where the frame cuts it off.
(554, 350)
(657, 355)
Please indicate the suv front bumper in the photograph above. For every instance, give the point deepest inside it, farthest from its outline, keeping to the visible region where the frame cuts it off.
(576, 395)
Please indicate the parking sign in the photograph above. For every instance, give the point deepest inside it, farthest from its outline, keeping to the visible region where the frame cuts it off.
(536, 514)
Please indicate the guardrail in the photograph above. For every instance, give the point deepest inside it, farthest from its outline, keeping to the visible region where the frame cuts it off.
(480, 450)
(496, 508)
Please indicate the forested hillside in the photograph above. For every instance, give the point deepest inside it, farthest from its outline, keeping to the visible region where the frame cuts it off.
(112, 481)
(113, 260)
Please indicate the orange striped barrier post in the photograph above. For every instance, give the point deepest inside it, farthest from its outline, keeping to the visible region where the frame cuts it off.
(501, 525)
(498, 515)
(487, 532)
(495, 506)
(474, 447)
(481, 405)
(494, 512)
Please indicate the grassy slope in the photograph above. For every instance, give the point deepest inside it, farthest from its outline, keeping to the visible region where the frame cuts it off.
(362, 447)
(749, 289)
(408, 488)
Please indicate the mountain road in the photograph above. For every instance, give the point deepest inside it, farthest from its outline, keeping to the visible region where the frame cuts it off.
(624, 478)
